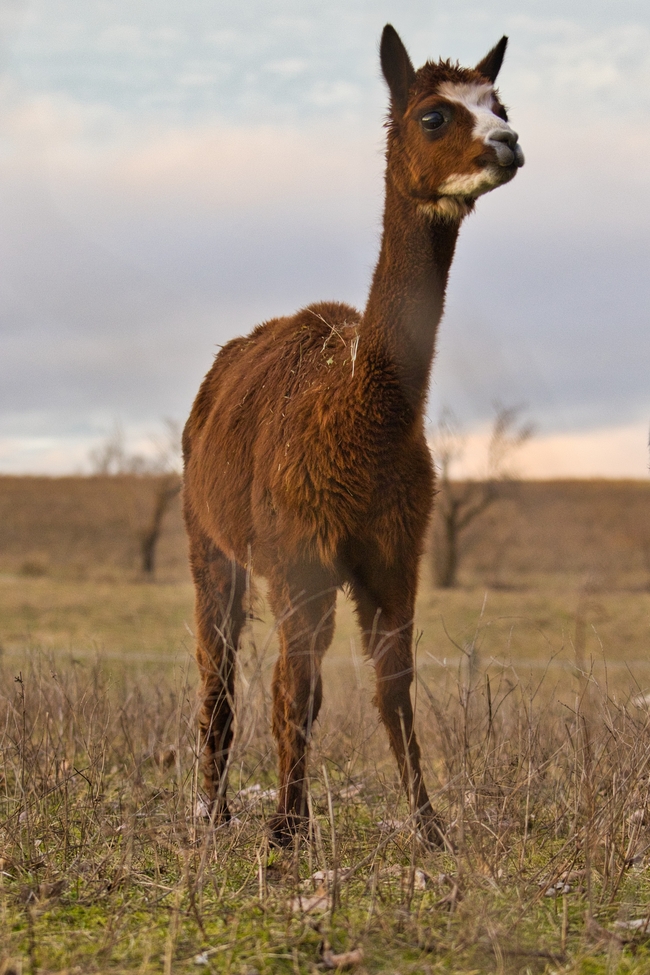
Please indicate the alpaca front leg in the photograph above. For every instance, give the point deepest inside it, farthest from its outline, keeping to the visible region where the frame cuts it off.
(387, 630)
(216, 726)
(219, 613)
(305, 633)
(393, 699)
(297, 696)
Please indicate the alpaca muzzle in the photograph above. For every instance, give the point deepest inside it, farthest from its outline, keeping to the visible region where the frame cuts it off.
(505, 143)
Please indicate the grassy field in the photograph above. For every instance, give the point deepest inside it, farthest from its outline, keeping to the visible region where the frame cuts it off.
(532, 713)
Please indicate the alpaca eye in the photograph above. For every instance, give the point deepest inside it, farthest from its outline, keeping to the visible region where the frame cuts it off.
(432, 120)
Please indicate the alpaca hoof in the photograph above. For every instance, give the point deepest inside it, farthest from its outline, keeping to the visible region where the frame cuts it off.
(284, 826)
(431, 829)
(215, 810)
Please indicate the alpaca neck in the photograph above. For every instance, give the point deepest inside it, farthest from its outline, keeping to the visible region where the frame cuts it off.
(407, 294)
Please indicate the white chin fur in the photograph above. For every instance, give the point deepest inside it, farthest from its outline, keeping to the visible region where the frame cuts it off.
(471, 184)
(447, 208)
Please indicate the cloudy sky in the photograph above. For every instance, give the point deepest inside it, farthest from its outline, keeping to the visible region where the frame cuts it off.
(173, 172)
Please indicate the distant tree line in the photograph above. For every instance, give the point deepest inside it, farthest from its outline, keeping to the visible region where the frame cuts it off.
(163, 466)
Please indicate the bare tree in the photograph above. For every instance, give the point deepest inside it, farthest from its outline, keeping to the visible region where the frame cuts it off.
(167, 487)
(460, 503)
(638, 535)
(110, 456)
(163, 467)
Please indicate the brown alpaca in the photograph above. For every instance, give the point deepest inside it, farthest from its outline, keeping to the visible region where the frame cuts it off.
(305, 455)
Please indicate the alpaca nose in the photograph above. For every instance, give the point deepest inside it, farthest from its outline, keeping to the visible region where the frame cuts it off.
(505, 143)
(504, 135)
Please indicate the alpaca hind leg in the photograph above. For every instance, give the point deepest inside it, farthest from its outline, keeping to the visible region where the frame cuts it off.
(387, 628)
(306, 627)
(220, 588)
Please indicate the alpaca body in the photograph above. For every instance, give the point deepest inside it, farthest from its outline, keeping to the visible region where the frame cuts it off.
(305, 455)
(302, 476)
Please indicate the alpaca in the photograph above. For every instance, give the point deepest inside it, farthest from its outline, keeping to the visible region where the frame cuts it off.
(305, 455)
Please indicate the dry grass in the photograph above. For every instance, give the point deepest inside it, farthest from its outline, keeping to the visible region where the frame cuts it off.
(93, 616)
(84, 527)
(105, 866)
(532, 711)
(597, 528)
(552, 619)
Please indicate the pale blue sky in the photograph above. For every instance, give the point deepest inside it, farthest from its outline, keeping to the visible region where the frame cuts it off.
(171, 173)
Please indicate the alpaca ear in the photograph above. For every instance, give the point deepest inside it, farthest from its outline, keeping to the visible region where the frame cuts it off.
(397, 68)
(491, 63)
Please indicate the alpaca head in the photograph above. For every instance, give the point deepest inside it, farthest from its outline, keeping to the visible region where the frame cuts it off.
(449, 140)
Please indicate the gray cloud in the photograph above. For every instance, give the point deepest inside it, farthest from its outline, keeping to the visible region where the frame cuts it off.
(170, 176)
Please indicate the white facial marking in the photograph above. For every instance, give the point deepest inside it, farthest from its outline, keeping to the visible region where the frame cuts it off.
(477, 99)
(490, 130)
(470, 94)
